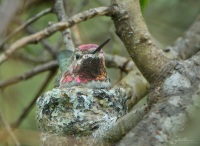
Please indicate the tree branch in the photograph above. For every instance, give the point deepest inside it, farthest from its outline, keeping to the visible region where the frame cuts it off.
(134, 34)
(62, 17)
(136, 86)
(179, 95)
(55, 27)
(29, 74)
(163, 122)
(121, 128)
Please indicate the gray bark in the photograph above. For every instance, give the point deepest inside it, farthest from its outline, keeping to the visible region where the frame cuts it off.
(188, 44)
(167, 118)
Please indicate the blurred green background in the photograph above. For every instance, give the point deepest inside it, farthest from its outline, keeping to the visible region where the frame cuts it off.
(165, 19)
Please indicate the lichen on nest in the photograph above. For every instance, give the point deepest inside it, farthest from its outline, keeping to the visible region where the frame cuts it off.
(78, 110)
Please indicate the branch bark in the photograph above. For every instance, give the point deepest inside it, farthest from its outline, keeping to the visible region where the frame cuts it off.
(180, 93)
(133, 32)
(62, 17)
(136, 86)
(121, 128)
(188, 44)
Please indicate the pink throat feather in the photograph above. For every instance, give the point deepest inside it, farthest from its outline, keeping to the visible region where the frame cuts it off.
(79, 79)
(68, 79)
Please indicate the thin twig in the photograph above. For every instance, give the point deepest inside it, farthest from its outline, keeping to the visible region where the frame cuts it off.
(9, 130)
(57, 26)
(29, 74)
(27, 110)
(62, 17)
(28, 22)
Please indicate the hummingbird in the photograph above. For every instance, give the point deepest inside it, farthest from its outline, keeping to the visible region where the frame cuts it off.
(82, 100)
(84, 67)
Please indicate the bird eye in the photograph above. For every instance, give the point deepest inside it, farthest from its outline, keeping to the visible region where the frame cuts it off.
(78, 56)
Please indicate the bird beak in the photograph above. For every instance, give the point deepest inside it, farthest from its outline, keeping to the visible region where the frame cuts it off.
(101, 46)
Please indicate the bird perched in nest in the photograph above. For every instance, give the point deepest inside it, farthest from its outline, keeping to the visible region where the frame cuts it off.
(82, 100)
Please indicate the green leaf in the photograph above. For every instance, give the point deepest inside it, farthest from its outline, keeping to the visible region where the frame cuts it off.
(144, 4)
